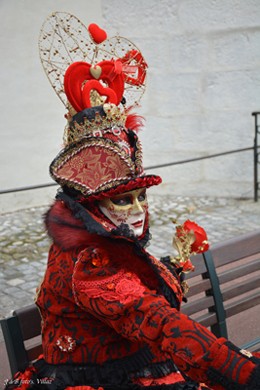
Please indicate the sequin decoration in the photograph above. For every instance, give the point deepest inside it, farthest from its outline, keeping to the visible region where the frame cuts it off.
(66, 343)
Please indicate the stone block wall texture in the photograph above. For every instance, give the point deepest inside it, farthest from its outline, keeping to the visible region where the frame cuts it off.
(32, 116)
(203, 85)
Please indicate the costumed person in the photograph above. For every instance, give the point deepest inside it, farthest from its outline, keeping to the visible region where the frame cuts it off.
(110, 311)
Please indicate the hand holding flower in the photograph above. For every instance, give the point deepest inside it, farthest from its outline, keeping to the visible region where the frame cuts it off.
(189, 239)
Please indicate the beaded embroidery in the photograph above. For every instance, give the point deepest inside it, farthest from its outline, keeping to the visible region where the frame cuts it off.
(66, 343)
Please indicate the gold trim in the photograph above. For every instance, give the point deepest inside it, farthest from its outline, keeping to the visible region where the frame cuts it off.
(114, 118)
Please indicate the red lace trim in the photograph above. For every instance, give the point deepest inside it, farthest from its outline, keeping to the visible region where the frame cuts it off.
(169, 277)
(122, 287)
(170, 379)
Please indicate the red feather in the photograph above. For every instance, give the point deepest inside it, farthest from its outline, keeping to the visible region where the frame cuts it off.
(134, 122)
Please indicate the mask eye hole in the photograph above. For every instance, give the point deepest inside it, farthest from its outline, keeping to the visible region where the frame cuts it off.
(142, 196)
(122, 201)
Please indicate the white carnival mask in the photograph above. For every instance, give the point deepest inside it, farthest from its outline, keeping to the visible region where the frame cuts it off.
(128, 208)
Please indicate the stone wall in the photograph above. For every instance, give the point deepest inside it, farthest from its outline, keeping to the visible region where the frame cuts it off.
(203, 85)
(32, 116)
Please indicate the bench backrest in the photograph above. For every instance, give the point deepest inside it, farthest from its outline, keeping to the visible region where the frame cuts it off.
(218, 290)
(22, 335)
(226, 286)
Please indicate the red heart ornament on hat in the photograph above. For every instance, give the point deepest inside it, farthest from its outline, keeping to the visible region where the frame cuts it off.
(96, 33)
(74, 77)
(79, 73)
(64, 33)
(95, 85)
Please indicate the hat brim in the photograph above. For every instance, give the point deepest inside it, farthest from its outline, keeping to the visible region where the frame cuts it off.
(144, 181)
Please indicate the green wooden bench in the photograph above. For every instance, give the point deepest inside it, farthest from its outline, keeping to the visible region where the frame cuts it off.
(226, 281)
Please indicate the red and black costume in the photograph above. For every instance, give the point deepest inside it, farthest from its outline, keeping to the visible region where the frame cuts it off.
(110, 310)
(111, 315)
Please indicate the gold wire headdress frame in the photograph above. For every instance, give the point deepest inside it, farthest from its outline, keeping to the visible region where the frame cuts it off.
(98, 80)
(64, 40)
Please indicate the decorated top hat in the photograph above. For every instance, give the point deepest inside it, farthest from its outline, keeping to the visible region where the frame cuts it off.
(99, 80)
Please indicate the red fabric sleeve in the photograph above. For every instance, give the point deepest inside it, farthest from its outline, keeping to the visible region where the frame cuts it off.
(121, 300)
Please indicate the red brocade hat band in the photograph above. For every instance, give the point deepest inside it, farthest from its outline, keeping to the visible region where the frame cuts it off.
(98, 80)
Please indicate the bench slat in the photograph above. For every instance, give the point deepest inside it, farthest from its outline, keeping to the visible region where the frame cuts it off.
(34, 352)
(236, 248)
(207, 320)
(239, 271)
(199, 305)
(239, 289)
(242, 305)
(29, 312)
(199, 287)
(253, 345)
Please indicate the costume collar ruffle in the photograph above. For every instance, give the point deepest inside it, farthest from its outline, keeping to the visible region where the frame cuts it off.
(70, 225)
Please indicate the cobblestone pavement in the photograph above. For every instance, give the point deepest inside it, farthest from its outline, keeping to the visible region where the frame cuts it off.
(24, 243)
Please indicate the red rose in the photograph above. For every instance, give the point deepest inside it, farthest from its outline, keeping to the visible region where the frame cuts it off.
(99, 292)
(128, 289)
(200, 243)
(189, 239)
